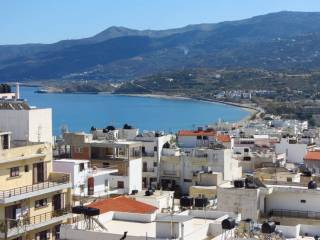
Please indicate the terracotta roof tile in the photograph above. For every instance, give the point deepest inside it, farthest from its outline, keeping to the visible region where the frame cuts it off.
(223, 138)
(123, 204)
(312, 155)
(196, 133)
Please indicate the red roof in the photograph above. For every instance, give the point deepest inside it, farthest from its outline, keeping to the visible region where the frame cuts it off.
(312, 155)
(190, 133)
(123, 204)
(224, 138)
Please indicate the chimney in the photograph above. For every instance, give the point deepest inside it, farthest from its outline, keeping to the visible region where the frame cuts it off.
(17, 91)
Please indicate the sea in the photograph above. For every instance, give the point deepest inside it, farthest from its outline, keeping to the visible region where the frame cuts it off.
(79, 112)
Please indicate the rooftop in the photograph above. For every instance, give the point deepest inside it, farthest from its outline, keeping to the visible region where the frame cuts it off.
(123, 204)
(196, 133)
(224, 138)
(174, 218)
(14, 105)
(312, 155)
(75, 161)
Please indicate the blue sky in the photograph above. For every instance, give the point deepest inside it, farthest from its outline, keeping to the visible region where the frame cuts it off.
(46, 21)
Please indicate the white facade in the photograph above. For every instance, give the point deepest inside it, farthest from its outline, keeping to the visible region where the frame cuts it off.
(293, 198)
(80, 173)
(294, 151)
(135, 174)
(34, 125)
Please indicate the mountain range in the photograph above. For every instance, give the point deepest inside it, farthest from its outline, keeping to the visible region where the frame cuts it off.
(276, 41)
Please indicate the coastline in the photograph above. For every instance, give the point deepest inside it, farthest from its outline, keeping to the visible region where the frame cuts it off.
(253, 111)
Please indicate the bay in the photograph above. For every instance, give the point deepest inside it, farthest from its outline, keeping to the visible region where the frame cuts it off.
(78, 112)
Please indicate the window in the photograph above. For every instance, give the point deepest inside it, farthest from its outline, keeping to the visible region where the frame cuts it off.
(78, 150)
(44, 235)
(303, 201)
(57, 231)
(205, 137)
(155, 164)
(26, 168)
(199, 137)
(14, 172)
(120, 184)
(105, 164)
(81, 167)
(187, 180)
(81, 188)
(155, 149)
(41, 203)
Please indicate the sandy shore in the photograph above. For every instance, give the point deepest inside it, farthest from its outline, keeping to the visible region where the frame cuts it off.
(253, 111)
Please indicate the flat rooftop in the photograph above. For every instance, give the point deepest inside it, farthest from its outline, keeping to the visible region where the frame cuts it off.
(147, 229)
(156, 194)
(133, 228)
(77, 161)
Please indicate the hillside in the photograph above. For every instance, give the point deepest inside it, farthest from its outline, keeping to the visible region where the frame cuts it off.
(276, 42)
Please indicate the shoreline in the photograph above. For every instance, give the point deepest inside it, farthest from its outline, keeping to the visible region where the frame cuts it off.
(253, 111)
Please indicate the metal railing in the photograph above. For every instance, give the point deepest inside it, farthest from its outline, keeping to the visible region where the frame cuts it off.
(22, 223)
(148, 170)
(32, 188)
(170, 173)
(294, 213)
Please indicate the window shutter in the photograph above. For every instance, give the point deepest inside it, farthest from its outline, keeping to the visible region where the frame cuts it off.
(35, 174)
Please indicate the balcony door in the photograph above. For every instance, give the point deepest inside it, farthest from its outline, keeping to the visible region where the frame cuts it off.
(90, 186)
(11, 214)
(58, 202)
(39, 173)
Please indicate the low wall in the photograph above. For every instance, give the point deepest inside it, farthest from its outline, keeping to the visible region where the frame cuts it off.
(200, 233)
(289, 231)
(66, 232)
(311, 230)
(134, 217)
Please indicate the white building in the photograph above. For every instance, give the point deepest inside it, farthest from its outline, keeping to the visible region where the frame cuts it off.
(294, 150)
(288, 203)
(86, 181)
(25, 123)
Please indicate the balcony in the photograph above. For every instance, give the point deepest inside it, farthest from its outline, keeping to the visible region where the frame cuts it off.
(295, 214)
(56, 182)
(11, 227)
(170, 173)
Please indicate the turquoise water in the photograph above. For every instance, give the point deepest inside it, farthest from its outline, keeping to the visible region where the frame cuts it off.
(81, 111)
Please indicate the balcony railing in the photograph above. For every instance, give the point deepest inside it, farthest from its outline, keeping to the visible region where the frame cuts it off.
(148, 170)
(294, 214)
(170, 173)
(11, 227)
(55, 179)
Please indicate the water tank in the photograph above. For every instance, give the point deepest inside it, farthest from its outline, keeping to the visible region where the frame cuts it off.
(148, 193)
(268, 227)
(228, 224)
(238, 183)
(307, 174)
(312, 185)
(78, 209)
(186, 201)
(89, 211)
(250, 184)
(200, 202)
(134, 192)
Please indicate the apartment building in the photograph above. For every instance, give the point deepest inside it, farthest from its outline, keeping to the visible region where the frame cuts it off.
(34, 200)
(87, 183)
(289, 203)
(110, 152)
(26, 123)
